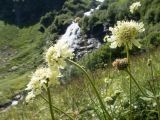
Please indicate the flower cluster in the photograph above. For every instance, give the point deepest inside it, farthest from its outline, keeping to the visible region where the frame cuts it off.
(56, 55)
(38, 81)
(43, 77)
(125, 33)
(134, 7)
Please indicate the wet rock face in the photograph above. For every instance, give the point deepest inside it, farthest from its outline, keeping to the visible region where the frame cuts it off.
(86, 46)
(13, 101)
(5, 105)
(78, 42)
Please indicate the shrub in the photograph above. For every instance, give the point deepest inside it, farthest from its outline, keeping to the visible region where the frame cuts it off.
(101, 56)
(47, 19)
(149, 17)
(61, 22)
(154, 38)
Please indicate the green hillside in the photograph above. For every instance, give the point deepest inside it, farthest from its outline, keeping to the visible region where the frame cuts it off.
(20, 53)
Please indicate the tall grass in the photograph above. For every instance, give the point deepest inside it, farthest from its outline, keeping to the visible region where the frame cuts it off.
(77, 98)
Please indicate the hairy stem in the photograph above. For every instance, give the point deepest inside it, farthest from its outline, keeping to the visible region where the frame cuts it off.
(93, 86)
(50, 102)
(136, 82)
(130, 82)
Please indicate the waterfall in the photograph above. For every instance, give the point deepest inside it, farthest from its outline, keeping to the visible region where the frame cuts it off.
(73, 36)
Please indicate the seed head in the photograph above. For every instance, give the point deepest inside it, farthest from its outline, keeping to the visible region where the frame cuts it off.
(120, 64)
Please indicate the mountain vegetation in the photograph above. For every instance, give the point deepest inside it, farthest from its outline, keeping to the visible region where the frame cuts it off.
(26, 12)
(29, 27)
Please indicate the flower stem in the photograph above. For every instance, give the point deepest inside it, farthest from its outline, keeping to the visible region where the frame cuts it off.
(93, 86)
(136, 83)
(57, 109)
(130, 82)
(154, 91)
(50, 102)
(152, 76)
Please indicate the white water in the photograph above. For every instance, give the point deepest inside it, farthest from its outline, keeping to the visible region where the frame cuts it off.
(72, 34)
(89, 13)
(14, 102)
(100, 0)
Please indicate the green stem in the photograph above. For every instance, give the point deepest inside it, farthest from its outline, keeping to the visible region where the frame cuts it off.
(158, 107)
(93, 86)
(154, 91)
(136, 83)
(110, 64)
(130, 82)
(50, 101)
(57, 109)
(130, 92)
(152, 75)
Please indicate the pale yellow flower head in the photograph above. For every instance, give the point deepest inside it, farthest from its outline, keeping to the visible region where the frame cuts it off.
(30, 96)
(125, 33)
(134, 7)
(38, 80)
(56, 55)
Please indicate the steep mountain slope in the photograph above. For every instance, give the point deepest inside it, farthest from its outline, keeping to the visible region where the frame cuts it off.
(20, 52)
(26, 12)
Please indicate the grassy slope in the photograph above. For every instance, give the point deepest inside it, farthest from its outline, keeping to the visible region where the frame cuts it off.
(21, 48)
(75, 97)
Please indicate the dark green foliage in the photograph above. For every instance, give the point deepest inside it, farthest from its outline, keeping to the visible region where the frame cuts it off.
(47, 19)
(154, 38)
(110, 12)
(26, 12)
(100, 57)
(153, 35)
(61, 22)
(150, 15)
(150, 11)
(146, 107)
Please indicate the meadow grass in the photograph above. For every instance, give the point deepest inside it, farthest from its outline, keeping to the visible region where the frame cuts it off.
(77, 98)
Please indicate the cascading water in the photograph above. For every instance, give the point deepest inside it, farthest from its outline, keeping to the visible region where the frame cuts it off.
(74, 38)
(71, 35)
